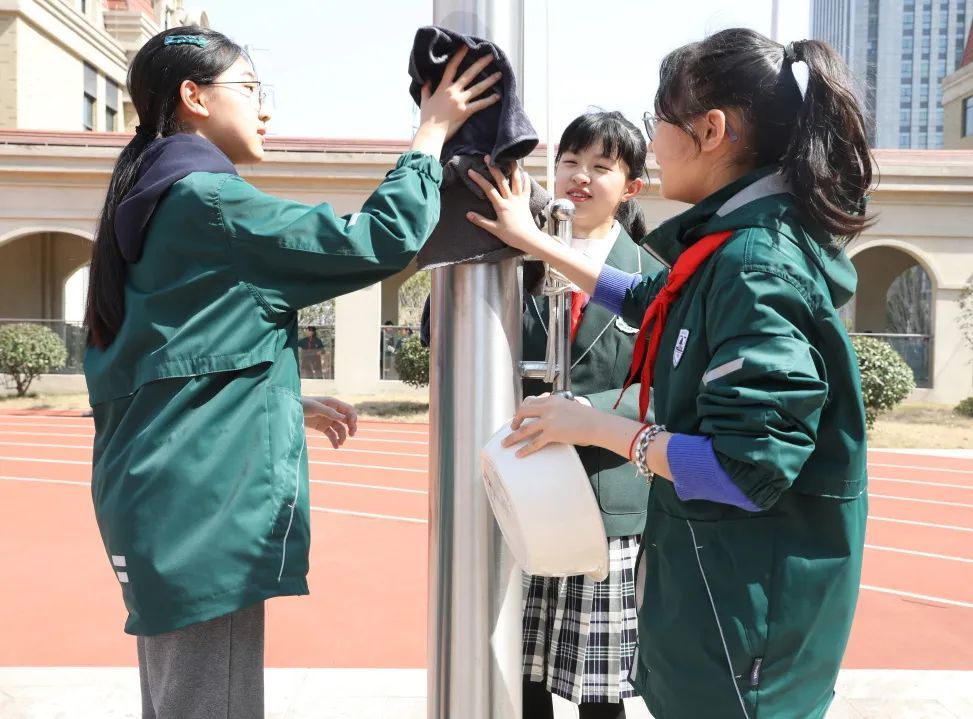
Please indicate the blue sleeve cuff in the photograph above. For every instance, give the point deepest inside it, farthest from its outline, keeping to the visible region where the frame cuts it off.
(698, 474)
(612, 285)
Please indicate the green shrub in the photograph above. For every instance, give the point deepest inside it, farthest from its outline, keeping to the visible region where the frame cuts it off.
(27, 351)
(965, 407)
(886, 378)
(412, 362)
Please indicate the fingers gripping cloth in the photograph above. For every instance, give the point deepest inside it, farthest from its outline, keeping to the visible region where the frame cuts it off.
(456, 240)
(502, 131)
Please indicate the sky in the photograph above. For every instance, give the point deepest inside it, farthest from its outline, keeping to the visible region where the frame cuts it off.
(339, 68)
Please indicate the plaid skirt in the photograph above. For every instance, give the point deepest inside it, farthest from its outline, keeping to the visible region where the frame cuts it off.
(580, 635)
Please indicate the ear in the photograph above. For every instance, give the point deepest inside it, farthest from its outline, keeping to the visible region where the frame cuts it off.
(712, 130)
(633, 188)
(192, 104)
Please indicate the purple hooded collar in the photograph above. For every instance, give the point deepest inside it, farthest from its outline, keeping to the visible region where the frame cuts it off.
(166, 161)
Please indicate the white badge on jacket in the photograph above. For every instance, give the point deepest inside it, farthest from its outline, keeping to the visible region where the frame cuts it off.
(680, 347)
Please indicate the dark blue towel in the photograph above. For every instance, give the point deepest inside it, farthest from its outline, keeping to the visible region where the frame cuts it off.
(164, 163)
(501, 130)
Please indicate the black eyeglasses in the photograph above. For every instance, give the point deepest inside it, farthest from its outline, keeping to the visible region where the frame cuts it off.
(649, 120)
(256, 91)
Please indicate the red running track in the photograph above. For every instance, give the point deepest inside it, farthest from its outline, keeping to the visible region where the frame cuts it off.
(62, 607)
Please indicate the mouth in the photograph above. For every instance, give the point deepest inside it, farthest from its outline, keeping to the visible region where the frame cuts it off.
(578, 196)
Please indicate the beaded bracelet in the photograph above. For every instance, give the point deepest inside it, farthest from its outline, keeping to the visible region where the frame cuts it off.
(645, 438)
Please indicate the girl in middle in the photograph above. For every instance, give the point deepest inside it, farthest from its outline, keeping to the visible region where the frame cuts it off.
(579, 635)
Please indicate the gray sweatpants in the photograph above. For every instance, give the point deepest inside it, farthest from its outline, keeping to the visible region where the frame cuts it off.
(212, 670)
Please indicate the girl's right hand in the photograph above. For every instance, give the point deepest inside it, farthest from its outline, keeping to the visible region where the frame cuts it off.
(442, 112)
(511, 201)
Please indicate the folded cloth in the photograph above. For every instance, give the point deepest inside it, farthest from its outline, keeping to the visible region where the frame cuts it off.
(501, 130)
(456, 240)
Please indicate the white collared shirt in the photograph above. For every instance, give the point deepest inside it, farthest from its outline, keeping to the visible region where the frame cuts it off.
(598, 249)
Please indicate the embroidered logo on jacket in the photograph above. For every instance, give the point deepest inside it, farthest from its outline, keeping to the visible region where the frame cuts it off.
(680, 347)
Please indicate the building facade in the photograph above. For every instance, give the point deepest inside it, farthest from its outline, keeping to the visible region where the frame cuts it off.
(958, 102)
(899, 52)
(52, 186)
(63, 62)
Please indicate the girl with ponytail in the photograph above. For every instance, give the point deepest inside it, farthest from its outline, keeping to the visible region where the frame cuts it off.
(752, 547)
(200, 473)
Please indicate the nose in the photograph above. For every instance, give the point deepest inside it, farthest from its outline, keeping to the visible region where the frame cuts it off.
(581, 178)
(264, 114)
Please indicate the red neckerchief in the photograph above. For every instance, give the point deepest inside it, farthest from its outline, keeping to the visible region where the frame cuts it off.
(647, 345)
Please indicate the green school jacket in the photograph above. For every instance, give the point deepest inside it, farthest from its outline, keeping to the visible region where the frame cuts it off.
(200, 474)
(601, 357)
(754, 609)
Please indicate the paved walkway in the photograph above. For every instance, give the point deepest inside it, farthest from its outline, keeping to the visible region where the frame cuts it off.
(400, 694)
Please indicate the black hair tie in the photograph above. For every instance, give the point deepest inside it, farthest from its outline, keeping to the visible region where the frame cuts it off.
(145, 131)
(792, 52)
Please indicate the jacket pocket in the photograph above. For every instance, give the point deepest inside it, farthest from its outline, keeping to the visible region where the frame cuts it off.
(704, 618)
(285, 418)
(620, 490)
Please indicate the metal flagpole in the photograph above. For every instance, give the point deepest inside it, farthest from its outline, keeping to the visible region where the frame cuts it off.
(475, 613)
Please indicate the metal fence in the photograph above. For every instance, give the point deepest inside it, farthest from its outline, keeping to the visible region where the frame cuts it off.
(316, 350)
(392, 337)
(914, 349)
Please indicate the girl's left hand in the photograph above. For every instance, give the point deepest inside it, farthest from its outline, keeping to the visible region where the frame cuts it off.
(553, 419)
(331, 417)
(515, 225)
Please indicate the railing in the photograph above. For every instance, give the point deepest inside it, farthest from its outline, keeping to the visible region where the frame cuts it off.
(913, 348)
(316, 352)
(392, 337)
(73, 335)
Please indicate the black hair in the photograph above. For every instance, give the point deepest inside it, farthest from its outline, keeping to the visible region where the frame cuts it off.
(154, 78)
(819, 139)
(620, 140)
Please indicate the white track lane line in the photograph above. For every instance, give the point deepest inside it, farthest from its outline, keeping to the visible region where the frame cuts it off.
(952, 527)
(381, 487)
(967, 487)
(369, 515)
(920, 501)
(369, 466)
(343, 450)
(924, 597)
(384, 468)
(929, 469)
(376, 487)
(914, 553)
(37, 480)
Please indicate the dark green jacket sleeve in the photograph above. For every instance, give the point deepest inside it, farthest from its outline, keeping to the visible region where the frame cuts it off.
(638, 299)
(295, 255)
(766, 385)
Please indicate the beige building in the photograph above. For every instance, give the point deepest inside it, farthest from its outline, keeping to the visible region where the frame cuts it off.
(958, 103)
(52, 185)
(62, 67)
(63, 62)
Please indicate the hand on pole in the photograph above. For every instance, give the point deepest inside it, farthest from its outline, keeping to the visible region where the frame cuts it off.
(515, 224)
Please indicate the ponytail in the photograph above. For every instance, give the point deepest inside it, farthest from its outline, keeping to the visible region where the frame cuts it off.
(154, 82)
(828, 161)
(817, 136)
(106, 283)
(631, 217)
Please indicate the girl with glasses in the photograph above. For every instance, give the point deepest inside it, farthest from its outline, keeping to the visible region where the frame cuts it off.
(200, 475)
